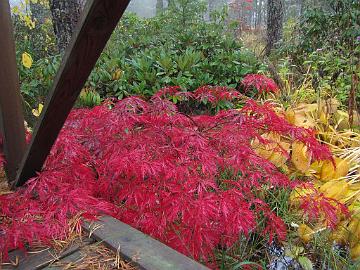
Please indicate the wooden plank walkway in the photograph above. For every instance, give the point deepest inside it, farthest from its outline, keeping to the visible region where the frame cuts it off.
(128, 243)
(41, 259)
(146, 252)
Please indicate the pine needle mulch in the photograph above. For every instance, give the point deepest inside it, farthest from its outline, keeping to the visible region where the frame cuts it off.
(94, 256)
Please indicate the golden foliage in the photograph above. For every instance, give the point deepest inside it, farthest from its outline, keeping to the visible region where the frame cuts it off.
(300, 157)
(305, 233)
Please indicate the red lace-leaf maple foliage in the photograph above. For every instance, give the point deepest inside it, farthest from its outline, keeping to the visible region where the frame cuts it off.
(260, 82)
(316, 206)
(215, 94)
(188, 181)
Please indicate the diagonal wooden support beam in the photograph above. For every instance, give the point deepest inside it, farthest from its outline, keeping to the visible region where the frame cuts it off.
(98, 21)
(11, 115)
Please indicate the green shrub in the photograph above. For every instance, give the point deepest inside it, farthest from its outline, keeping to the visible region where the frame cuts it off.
(156, 52)
(177, 47)
(326, 45)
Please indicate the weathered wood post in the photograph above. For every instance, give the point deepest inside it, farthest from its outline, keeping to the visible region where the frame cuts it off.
(11, 114)
(97, 22)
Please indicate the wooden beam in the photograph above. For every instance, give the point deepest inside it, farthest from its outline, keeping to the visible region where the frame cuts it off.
(41, 259)
(98, 21)
(11, 114)
(144, 251)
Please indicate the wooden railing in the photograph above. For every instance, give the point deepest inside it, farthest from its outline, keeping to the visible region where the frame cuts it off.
(96, 25)
(12, 128)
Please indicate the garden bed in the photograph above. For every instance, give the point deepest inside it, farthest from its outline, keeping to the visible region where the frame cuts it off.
(194, 182)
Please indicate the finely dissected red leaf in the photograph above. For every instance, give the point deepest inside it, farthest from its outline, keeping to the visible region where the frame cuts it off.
(260, 82)
(215, 94)
(315, 205)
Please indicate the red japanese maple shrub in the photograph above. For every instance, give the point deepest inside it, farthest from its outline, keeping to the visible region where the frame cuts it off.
(158, 170)
(260, 82)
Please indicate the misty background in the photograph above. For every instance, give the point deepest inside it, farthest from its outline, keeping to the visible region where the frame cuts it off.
(143, 8)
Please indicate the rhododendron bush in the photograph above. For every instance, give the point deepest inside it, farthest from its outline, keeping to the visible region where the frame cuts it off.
(188, 180)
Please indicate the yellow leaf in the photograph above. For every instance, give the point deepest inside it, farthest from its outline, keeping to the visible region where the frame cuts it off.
(354, 209)
(342, 167)
(300, 157)
(265, 150)
(353, 228)
(290, 116)
(331, 105)
(307, 108)
(355, 186)
(298, 193)
(29, 22)
(37, 112)
(305, 121)
(305, 233)
(341, 120)
(341, 234)
(278, 157)
(15, 10)
(355, 252)
(117, 74)
(329, 171)
(323, 118)
(316, 166)
(27, 60)
(293, 251)
(304, 115)
(335, 189)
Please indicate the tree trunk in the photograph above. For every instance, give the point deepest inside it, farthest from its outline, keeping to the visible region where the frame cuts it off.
(159, 6)
(65, 16)
(254, 14)
(275, 18)
(259, 13)
(301, 4)
(171, 3)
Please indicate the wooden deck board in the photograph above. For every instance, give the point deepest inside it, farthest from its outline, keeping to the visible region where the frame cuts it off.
(41, 259)
(146, 252)
(94, 256)
(72, 259)
(132, 245)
